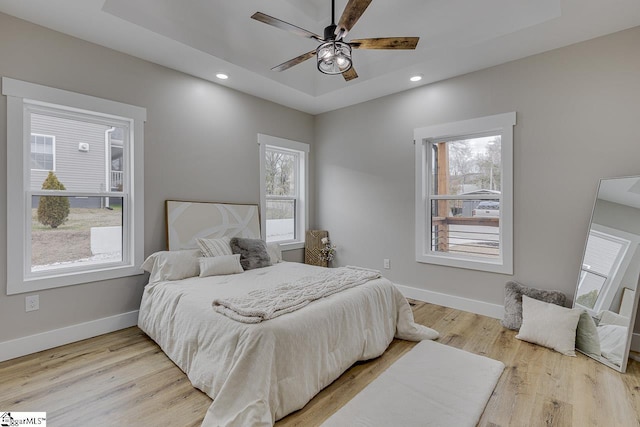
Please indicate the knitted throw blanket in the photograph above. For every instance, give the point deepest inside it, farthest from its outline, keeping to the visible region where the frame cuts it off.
(265, 304)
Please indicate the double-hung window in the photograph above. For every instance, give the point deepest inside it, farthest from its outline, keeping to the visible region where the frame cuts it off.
(75, 187)
(464, 194)
(283, 190)
(603, 256)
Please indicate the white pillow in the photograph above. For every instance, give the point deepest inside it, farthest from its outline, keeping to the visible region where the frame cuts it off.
(215, 247)
(172, 265)
(220, 265)
(549, 325)
(275, 252)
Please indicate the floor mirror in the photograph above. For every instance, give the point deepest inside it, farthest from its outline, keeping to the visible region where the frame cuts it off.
(610, 271)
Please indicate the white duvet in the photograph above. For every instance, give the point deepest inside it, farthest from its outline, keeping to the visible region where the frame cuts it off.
(259, 373)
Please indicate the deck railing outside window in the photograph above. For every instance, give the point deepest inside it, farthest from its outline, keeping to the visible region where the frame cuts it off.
(116, 180)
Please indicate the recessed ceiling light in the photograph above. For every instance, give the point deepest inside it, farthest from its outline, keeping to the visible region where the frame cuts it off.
(416, 78)
(222, 76)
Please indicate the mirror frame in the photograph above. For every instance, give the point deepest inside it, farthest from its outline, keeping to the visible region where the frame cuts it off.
(623, 367)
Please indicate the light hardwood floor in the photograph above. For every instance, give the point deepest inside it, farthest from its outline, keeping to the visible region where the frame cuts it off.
(123, 378)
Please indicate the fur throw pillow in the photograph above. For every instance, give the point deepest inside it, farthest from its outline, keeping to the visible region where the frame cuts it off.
(253, 252)
(513, 292)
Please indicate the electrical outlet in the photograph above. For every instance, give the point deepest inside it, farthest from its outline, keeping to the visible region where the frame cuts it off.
(387, 264)
(32, 303)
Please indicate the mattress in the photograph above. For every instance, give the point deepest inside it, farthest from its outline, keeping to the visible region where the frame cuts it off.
(259, 373)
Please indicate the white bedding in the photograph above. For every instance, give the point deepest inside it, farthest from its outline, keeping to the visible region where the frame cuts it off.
(259, 373)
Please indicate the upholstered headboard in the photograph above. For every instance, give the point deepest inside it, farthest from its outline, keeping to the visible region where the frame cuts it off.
(188, 221)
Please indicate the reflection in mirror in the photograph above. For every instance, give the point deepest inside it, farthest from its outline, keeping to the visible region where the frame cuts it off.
(611, 268)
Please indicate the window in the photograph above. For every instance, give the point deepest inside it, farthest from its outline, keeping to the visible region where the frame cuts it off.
(603, 256)
(464, 194)
(75, 187)
(283, 190)
(43, 151)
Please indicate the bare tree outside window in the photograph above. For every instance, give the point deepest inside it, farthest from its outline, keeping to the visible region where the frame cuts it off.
(281, 181)
(488, 166)
(280, 173)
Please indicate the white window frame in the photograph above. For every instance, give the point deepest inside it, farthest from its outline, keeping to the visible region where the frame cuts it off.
(623, 259)
(21, 98)
(302, 211)
(53, 148)
(500, 124)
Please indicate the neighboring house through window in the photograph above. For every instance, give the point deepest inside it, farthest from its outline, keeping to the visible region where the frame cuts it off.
(464, 212)
(283, 190)
(75, 215)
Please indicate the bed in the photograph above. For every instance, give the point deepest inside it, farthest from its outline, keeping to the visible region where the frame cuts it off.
(259, 373)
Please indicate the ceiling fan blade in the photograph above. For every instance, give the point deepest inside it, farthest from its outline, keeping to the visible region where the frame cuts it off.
(295, 61)
(352, 12)
(385, 43)
(278, 23)
(350, 74)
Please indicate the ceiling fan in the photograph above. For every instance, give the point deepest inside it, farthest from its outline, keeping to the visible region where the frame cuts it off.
(334, 53)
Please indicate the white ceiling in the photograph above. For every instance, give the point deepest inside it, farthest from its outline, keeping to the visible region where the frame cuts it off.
(204, 37)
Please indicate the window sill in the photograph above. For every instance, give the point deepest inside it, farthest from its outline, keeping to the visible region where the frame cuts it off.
(502, 267)
(70, 278)
(289, 246)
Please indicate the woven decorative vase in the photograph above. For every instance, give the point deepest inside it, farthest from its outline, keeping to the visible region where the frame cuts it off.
(312, 247)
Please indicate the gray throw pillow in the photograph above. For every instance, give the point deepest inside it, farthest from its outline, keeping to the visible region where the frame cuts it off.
(513, 292)
(253, 252)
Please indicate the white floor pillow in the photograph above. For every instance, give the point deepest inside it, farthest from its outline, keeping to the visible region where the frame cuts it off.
(549, 325)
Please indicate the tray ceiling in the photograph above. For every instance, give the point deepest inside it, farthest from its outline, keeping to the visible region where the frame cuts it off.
(203, 38)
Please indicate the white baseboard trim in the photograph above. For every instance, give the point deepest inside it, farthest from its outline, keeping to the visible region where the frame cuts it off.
(57, 337)
(460, 303)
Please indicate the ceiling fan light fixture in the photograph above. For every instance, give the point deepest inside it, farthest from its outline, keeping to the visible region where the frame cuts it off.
(334, 57)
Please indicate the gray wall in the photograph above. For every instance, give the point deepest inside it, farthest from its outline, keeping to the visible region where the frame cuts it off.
(200, 144)
(578, 121)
